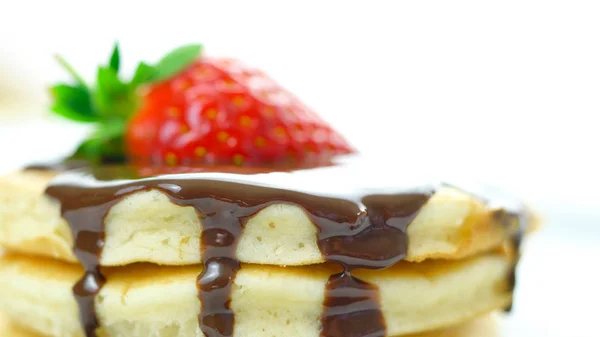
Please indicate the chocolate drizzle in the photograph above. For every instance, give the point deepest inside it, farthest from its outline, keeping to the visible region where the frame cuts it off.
(357, 228)
(515, 217)
(85, 212)
(377, 239)
(351, 308)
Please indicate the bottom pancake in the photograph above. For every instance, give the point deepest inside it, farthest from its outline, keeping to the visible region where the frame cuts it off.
(148, 300)
(480, 327)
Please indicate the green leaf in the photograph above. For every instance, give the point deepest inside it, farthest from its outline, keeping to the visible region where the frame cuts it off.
(87, 149)
(71, 114)
(144, 73)
(111, 129)
(71, 71)
(73, 102)
(115, 59)
(108, 81)
(105, 144)
(113, 98)
(97, 150)
(176, 61)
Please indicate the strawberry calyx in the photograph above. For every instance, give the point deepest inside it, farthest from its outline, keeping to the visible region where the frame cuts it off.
(112, 101)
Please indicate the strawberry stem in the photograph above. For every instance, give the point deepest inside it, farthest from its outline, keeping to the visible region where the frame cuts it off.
(112, 102)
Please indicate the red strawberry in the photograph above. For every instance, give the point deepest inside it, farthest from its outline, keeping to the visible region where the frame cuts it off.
(210, 111)
(218, 110)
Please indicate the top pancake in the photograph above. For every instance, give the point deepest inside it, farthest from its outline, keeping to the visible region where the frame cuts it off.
(146, 226)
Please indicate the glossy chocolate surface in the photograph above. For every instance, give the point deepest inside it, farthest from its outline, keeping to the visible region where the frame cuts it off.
(361, 224)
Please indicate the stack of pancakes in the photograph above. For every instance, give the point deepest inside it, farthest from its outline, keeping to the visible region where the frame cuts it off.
(315, 252)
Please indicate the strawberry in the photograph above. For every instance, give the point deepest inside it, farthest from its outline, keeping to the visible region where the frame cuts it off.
(189, 109)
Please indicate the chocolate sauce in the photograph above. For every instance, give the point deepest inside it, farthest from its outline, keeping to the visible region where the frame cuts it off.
(515, 217)
(376, 239)
(86, 220)
(359, 226)
(351, 308)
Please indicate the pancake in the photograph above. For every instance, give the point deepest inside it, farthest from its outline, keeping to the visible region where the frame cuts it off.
(147, 227)
(479, 327)
(483, 326)
(149, 300)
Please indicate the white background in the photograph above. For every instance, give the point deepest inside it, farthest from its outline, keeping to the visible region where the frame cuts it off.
(506, 91)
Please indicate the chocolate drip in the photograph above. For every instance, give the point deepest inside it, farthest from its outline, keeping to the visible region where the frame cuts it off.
(376, 240)
(221, 231)
(86, 220)
(85, 291)
(351, 308)
(356, 229)
(513, 217)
